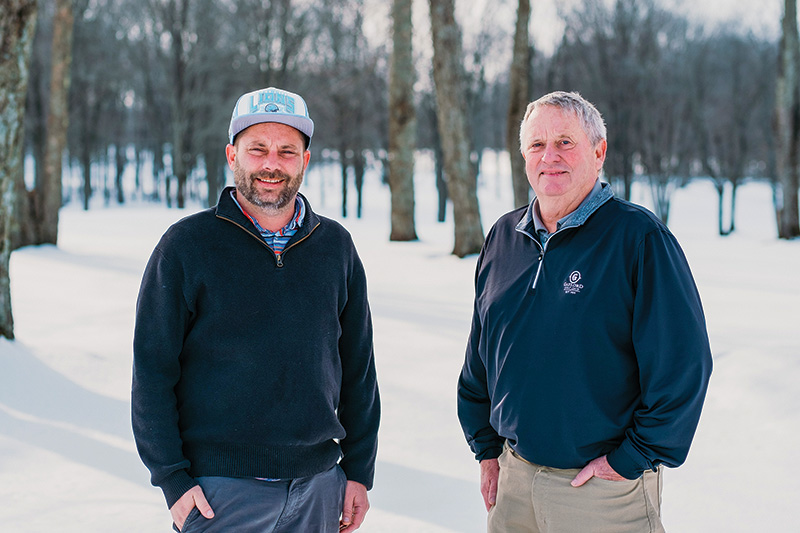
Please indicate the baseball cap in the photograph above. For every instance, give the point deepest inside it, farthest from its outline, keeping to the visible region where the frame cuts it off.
(270, 105)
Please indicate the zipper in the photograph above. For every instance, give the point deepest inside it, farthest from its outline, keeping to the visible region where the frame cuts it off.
(542, 250)
(278, 256)
(573, 224)
(538, 269)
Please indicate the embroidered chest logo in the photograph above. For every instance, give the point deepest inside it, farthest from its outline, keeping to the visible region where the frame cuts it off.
(572, 285)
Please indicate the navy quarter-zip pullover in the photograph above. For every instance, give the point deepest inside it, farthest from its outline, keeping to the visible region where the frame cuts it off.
(592, 344)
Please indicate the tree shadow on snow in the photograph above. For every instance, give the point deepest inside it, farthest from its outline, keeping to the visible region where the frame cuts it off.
(43, 408)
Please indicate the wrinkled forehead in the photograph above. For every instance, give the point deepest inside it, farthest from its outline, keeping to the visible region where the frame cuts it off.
(552, 121)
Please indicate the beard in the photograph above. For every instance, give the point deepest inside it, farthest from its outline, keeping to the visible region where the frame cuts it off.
(246, 185)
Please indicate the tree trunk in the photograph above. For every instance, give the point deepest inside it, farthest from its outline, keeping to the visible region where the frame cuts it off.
(441, 184)
(49, 189)
(159, 173)
(402, 125)
(787, 123)
(661, 189)
(180, 133)
(343, 160)
(104, 162)
(119, 169)
(86, 163)
(17, 24)
(22, 230)
(138, 171)
(720, 186)
(517, 103)
(451, 103)
(359, 168)
(215, 174)
(168, 190)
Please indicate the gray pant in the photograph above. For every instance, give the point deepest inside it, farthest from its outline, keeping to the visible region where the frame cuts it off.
(244, 505)
(537, 499)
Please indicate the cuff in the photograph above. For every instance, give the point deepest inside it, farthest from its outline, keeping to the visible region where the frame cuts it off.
(492, 452)
(175, 485)
(627, 462)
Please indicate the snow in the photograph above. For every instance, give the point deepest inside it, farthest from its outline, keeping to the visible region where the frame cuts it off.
(67, 458)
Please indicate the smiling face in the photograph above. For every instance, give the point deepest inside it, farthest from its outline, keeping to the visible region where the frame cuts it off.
(561, 162)
(268, 162)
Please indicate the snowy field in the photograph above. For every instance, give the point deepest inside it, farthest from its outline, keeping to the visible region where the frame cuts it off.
(67, 458)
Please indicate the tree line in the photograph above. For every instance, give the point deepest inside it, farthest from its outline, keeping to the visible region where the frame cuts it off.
(114, 84)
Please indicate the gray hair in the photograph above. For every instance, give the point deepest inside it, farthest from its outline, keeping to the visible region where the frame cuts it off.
(590, 117)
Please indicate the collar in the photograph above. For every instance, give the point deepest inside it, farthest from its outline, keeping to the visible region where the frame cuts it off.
(294, 223)
(600, 194)
(227, 209)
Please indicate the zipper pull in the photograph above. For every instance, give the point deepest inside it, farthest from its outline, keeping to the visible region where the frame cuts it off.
(280, 260)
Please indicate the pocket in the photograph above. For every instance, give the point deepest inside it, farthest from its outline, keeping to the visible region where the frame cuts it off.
(618, 482)
(623, 493)
(503, 457)
(193, 514)
(342, 477)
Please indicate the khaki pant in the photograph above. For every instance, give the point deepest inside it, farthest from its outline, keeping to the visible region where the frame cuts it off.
(538, 499)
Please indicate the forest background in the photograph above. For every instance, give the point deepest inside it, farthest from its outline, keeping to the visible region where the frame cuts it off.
(121, 108)
(687, 93)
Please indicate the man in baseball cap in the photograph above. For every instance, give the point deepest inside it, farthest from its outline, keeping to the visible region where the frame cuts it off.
(255, 400)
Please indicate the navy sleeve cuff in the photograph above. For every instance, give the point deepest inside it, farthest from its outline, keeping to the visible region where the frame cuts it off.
(624, 463)
(176, 485)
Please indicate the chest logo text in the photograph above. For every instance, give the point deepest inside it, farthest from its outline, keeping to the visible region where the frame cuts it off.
(572, 285)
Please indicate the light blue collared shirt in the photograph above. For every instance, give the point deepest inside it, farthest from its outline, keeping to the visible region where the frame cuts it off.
(538, 225)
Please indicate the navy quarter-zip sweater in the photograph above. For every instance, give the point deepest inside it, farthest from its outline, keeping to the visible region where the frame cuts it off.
(248, 364)
(605, 353)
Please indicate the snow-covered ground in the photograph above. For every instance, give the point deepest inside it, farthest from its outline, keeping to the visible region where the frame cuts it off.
(67, 458)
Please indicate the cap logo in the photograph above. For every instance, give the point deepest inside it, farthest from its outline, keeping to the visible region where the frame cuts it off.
(273, 102)
(270, 105)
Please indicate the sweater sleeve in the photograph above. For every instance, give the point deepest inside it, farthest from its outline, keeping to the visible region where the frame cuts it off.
(474, 404)
(359, 401)
(161, 318)
(674, 358)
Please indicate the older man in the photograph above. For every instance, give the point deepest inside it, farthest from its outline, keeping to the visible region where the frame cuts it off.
(255, 401)
(588, 359)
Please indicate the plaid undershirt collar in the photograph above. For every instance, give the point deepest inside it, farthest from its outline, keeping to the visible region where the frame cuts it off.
(277, 240)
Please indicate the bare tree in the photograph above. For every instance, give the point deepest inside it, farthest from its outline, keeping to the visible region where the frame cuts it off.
(402, 124)
(174, 15)
(726, 106)
(428, 137)
(23, 228)
(48, 197)
(606, 55)
(787, 122)
(273, 34)
(349, 115)
(177, 27)
(665, 132)
(94, 88)
(518, 97)
(663, 115)
(448, 74)
(17, 22)
(36, 209)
